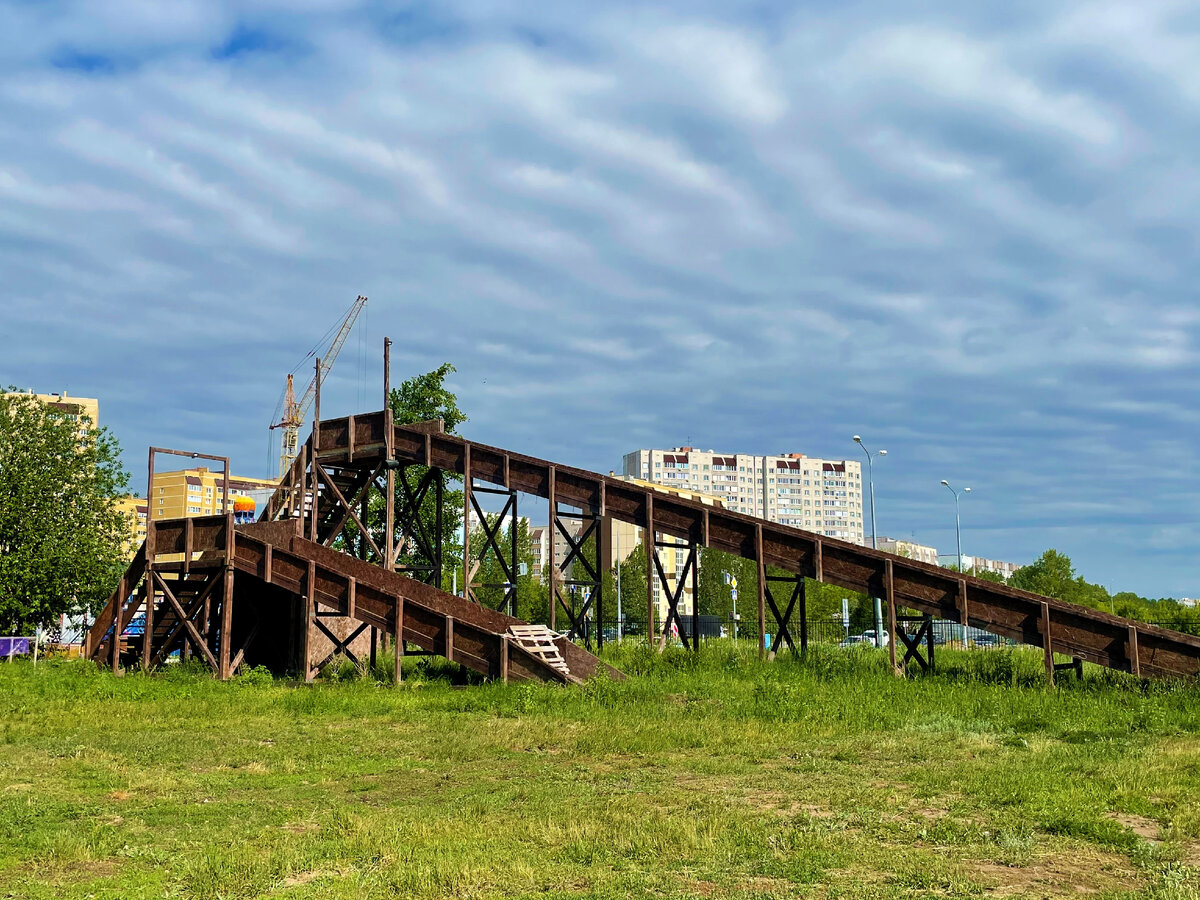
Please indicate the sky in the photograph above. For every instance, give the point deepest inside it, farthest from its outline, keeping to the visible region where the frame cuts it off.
(967, 234)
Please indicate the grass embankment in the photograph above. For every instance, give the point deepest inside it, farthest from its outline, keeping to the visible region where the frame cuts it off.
(722, 778)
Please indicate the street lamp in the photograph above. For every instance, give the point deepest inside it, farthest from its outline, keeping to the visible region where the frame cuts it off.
(871, 481)
(957, 521)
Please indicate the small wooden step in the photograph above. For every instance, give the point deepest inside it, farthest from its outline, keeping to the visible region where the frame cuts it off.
(538, 641)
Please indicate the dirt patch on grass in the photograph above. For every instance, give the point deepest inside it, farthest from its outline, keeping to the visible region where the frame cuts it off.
(1147, 829)
(1080, 874)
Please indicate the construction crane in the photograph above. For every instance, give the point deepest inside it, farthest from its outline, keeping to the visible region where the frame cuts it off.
(293, 412)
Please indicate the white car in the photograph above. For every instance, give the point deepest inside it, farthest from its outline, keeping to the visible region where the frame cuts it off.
(870, 638)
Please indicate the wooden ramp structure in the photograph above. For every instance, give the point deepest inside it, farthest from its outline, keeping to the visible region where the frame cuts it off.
(256, 594)
(344, 536)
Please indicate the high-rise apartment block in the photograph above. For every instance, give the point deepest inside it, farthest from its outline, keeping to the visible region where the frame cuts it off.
(819, 495)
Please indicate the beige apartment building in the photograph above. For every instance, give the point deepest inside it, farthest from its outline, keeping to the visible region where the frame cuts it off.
(909, 550)
(819, 495)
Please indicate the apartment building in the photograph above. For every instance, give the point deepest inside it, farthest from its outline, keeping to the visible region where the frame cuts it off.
(135, 509)
(980, 564)
(198, 492)
(909, 550)
(818, 495)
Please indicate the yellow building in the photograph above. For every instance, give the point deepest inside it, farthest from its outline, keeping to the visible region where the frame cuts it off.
(198, 492)
(135, 509)
(76, 408)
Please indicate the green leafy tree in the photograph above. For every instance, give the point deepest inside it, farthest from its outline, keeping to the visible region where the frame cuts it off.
(62, 537)
(1051, 575)
(633, 586)
(420, 399)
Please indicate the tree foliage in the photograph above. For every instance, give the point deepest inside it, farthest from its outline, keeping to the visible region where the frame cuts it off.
(62, 537)
(419, 399)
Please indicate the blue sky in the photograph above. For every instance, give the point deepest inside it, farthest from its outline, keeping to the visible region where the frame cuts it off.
(967, 234)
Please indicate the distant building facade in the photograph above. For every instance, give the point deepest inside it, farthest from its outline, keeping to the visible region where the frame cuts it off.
(980, 564)
(819, 495)
(909, 550)
(198, 492)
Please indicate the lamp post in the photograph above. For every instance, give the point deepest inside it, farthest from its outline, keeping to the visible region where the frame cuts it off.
(957, 520)
(871, 482)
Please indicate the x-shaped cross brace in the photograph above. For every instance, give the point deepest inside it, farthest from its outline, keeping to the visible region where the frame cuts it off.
(912, 644)
(785, 633)
(339, 645)
(674, 597)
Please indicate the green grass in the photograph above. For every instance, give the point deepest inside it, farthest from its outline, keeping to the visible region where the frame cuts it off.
(716, 777)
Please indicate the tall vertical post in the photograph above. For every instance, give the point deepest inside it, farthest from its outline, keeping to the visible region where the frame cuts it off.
(651, 575)
(889, 588)
(227, 603)
(316, 443)
(803, 615)
(310, 614)
(603, 565)
(1047, 646)
(115, 643)
(762, 590)
(398, 643)
(466, 521)
(389, 438)
(694, 551)
(551, 557)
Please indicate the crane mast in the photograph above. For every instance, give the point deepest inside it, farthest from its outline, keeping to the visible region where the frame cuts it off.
(293, 411)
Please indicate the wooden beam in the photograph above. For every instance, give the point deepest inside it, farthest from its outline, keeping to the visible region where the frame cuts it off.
(398, 642)
(351, 597)
(1135, 663)
(504, 658)
(449, 654)
(552, 527)
(1047, 646)
(197, 640)
(651, 552)
(310, 612)
(963, 610)
(889, 587)
(762, 590)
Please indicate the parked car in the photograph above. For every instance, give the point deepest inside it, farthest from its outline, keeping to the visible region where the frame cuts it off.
(866, 639)
(986, 640)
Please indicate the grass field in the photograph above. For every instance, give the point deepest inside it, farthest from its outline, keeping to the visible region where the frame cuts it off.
(721, 777)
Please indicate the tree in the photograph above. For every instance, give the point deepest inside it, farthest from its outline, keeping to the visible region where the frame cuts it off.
(62, 537)
(419, 399)
(1051, 575)
(633, 584)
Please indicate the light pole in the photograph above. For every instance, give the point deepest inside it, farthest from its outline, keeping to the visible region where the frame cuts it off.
(871, 481)
(957, 520)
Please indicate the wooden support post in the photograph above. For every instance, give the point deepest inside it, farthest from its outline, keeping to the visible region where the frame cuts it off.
(310, 612)
(117, 625)
(351, 598)
(803, 615)
(1135, 663)
(603, 565)
(504, 658)
(552, 562)
(963, 610)
(316, 444)
(467, 524)
(1047, 645)
(148, 631)
(694, 552)
(389, 502)
(651, 551)
(398, 642)
(889, 588)
(450, 638)
(226, 626)
(762, 591)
